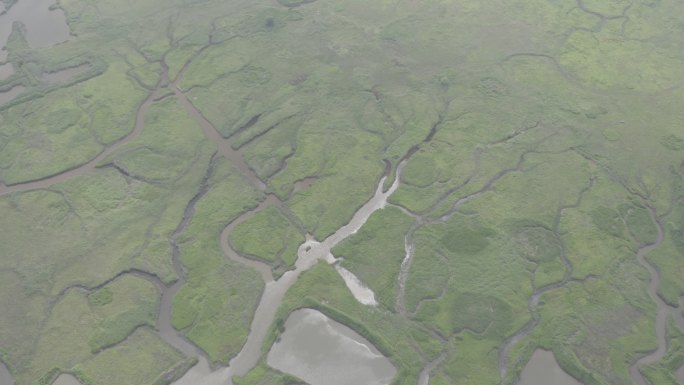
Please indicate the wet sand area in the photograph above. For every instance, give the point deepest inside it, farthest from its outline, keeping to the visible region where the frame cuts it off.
(543, 369)
(321, 351)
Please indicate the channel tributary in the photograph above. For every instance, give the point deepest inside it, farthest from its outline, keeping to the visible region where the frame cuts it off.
(663, 312)
(308, 254)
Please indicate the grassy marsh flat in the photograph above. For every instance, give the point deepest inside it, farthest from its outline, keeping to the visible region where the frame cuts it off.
(164, 163)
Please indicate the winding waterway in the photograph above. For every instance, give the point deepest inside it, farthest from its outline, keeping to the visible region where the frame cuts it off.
(92, 164)
(533, 301)
(308, 254)
(46, 28)
(663, 311)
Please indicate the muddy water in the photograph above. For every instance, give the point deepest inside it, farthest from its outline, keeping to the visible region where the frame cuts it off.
(542, 369)
(10, 94)
(65, 75)
(309, 253)
(5, 376)
(44, 28)
(321, 351)
(66, 379)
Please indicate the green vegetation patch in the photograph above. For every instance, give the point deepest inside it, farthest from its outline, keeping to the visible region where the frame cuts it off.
(270, 236)
(77, 328)
(142, 359)
(321, 288)
(374, 253)
(462, 236)
(473, 312)
(663, 372)
(264, 375)
(214, 309)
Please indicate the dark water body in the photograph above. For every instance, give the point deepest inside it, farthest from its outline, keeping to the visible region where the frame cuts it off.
(12, 93)
(44, 28)
(324, 352)
(543, 369)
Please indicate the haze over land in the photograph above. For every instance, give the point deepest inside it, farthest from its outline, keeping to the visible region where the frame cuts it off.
(478, 191)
